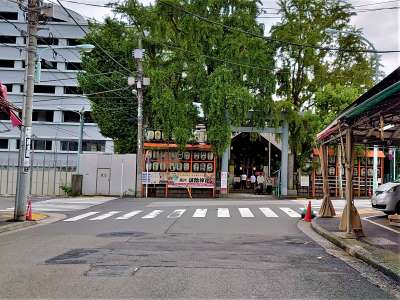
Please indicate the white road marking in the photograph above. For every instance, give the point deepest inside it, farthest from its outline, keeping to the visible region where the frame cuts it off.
(223, 213)
(380, 225)
(176, 214)
(129, 215)
(200, 213)
(153, 214)
(105, 216)
(290, 212)
(245, 213)
(268, 212)
(73, 219)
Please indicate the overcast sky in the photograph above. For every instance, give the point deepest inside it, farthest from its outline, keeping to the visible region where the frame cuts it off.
(381, 27)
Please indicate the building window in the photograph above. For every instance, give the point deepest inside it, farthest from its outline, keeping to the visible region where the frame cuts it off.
(69, 146)
(87, 117)
(94, 146)
(8, 15)
(3, 143)
(9, 87)
(48, 65)
(7, 39)
(21, 88)
(5, 63)
(72, 90)
(47, 41)
(74, 42)
(45, 89)
(73, 66)
(41, 145)
(4, 116)
(70, 116)
(43, 115)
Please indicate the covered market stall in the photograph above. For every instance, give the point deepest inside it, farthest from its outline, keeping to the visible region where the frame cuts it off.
(374, 120)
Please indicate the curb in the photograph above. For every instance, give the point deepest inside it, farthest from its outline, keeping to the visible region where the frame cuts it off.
(17, 225)
(356, 251)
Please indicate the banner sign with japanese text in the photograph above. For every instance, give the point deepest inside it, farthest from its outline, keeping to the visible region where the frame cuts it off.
(192, 180)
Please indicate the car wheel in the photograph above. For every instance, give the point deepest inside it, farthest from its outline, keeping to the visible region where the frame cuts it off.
(398, 207)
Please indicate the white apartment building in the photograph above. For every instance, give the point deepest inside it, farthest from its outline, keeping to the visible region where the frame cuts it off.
(57, 96)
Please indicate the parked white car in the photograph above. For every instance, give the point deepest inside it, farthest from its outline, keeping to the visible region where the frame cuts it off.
(387, 198)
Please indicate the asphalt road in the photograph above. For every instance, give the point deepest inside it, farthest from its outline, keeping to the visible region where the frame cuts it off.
(176, 249)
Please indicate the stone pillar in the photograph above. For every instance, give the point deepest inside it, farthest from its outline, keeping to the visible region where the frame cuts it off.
(224, 171)
(284, 159)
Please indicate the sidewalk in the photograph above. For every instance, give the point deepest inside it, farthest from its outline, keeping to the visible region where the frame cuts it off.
(7, 223)
(379, 248)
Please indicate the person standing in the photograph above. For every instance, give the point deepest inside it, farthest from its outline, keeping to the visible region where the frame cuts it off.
(243, 178)
(260, 182)
(253, 181)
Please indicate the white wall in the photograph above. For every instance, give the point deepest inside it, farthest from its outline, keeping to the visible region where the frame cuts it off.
(90, 163)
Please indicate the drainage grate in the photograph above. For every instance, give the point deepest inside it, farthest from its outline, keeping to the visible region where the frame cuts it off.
(111, 271)
(122, 234)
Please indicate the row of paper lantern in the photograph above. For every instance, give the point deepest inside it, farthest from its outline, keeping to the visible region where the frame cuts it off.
(196, 155)
(179, 167)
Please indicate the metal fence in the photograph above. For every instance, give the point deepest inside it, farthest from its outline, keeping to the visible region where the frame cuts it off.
(49, 174)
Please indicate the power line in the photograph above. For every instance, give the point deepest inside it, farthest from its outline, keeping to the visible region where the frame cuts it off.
(88, 4)
(96, 44)
(272, 39)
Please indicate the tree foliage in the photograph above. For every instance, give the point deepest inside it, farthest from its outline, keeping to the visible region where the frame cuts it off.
(113, 111)
(189, 61)
(305, 74)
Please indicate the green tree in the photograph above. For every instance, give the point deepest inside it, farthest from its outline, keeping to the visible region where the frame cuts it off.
(189, 61)
(304, 71)
(331, 99)
(115, 112)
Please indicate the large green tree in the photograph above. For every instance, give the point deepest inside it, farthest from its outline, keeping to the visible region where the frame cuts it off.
(190, 59)
(309, 63)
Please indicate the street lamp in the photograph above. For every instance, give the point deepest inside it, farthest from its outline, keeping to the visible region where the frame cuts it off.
(372, 47)
(81, 113)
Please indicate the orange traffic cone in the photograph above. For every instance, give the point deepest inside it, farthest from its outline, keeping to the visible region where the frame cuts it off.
(308, 216)
(29, 211)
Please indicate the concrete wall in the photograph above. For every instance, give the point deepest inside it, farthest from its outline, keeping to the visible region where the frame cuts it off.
(94, 165)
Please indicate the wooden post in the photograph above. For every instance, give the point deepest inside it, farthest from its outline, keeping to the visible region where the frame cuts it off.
(349, 175)
(339, 173)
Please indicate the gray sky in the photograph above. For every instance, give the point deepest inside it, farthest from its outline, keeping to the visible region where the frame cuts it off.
(381, 27)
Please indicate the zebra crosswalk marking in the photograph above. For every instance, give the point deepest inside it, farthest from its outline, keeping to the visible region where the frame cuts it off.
(129, 215)
(245, 212)
(223, 213)
(200, 213)
(76, 218)
(153, 214)
(268, 212)
(176, 214)
(105, 216)
(290, 212)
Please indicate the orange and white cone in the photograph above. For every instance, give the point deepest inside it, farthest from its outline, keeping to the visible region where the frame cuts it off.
(29, 211)
(308, 216)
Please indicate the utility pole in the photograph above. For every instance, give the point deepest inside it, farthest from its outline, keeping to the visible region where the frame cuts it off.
(24, 159)
(81, 124)
(138, 55)
(140, 82)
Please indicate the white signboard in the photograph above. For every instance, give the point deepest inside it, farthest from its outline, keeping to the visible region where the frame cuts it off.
(224, 180)
(304, 180)
(27, 154)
